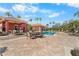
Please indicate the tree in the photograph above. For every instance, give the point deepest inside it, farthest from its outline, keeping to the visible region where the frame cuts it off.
(71, 26)
(18, 16)
(52, 23)
(47, 25)
(57, 27)
(29, 27)
(30, 20)
(76, 14)
(38, 19)
(8, 14)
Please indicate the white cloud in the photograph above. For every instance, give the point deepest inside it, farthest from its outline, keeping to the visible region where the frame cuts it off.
(3, 9)
(32, 9)
(25, 8)
(49, 11)
(46, 11)
(76, 5)
(19, 7)
(29, 16)
(58, 4)
(54, 15)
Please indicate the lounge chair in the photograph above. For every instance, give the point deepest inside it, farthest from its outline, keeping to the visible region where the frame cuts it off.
(38, 34)
(17, 32)
(33, 34)
(30, 34)
(3, 33)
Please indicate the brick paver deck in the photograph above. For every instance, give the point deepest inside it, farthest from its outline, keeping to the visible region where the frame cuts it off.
(58, 45)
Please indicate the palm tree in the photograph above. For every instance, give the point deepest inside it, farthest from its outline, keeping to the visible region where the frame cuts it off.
(30, 20)
(76, 14)
(52, 23)
(18, 16)
(38, 19)
(47, 25)
(8, 14)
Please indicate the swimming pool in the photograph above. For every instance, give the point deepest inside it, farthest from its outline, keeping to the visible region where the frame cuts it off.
(46, 33)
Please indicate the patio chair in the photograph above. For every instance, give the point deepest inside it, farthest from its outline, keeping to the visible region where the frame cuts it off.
(17, 32)
(33, 34)
(2, 50)
(30, 34)
(0, 33)
(75, 52)
(38, 34)
(3, 33)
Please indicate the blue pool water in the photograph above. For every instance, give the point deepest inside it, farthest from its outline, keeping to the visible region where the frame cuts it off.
(48, 33)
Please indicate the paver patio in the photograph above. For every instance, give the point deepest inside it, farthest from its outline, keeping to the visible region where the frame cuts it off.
(58, 45)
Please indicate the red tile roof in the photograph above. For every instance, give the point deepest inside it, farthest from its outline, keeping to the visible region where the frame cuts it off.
(38, 25)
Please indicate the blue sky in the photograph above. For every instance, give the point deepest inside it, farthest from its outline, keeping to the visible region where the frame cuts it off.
(49, 12)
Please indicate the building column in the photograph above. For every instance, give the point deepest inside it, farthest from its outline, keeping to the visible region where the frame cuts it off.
(6, 25)
(1, 27)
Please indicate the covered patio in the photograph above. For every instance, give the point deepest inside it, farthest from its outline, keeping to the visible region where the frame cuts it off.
(8, 24)
(38, 27)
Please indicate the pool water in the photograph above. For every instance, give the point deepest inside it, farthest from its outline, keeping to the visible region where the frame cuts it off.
(48, 33)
